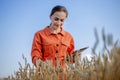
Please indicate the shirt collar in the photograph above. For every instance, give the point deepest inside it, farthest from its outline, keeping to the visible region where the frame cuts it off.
(48, 32)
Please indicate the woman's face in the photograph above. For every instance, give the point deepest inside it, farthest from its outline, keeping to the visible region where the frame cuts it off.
(57, 19)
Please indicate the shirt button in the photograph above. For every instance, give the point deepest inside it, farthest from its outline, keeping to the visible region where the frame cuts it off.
(57, 44)
(55, 58)
(56, 51)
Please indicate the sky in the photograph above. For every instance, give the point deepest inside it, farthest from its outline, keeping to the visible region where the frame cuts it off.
(20, 19)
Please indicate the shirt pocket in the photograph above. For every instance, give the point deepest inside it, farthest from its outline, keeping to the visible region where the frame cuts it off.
(47, 49)
(65, 45)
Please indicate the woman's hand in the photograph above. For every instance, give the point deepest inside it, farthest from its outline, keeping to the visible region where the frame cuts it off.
(38, 63)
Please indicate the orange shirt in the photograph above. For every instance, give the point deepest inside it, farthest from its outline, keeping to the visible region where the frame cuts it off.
(49, 46)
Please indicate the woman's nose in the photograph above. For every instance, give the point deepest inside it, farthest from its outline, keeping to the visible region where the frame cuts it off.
(58, 23)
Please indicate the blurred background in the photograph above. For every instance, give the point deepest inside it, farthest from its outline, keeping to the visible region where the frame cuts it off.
(20, 19)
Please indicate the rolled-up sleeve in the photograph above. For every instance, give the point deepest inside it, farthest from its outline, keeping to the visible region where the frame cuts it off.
(71, 47)
(70, 50)
(36, 51)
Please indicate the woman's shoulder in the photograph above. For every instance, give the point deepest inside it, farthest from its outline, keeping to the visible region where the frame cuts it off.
(68, 34)
(41, 31)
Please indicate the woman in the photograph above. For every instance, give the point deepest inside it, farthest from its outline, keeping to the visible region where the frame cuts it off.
(53, 42)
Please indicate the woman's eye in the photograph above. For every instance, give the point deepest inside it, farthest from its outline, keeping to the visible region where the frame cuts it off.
(62, 20)
(56, 19)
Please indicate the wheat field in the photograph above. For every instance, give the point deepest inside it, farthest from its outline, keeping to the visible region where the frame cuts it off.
(100, 67)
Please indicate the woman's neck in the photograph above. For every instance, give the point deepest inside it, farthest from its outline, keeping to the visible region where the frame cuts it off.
(55, 31)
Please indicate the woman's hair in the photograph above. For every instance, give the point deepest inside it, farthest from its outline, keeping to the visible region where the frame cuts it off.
(59, 8)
